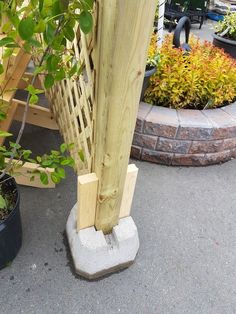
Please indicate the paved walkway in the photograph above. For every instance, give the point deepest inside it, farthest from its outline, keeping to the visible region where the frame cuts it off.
(186, 219)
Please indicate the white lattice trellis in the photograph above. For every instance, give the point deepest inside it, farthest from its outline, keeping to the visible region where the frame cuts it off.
(72, 103)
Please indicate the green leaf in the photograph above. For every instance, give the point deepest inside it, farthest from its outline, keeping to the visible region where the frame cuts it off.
(40, 27)
(60, 75)
(1, 68)
(30, 88)
(68, 162)
(73, 70)
(44, 178)
(47, 163)
(39, 70)
(64, 5)
(49, 33)
(34, 99)
(61, 173)
(26, 28)
(6, 40)
(27, 153)
(63, 148)
(55, 178)
(41, 2)
(85, 22)
(3, 115)
(33, 91)
(7, 53)
(81, 155)
(35, 43)
(71, 146)
(68, 31)
(88, 4)
(15, 145)
(52, 63)
(5, 134)
(3, 203)
(48, 81)
(56, 9)
(57, 42)
(2, 161)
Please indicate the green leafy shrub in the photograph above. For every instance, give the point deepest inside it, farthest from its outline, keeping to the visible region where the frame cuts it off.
(227, 27)
(203, 78)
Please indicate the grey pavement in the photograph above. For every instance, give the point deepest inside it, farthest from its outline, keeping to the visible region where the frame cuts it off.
(186, 219)
(205, 33)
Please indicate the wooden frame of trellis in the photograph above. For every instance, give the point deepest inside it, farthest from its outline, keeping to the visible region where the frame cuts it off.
(98, 111)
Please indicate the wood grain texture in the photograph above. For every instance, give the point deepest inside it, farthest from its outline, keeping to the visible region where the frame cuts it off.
(37, 115)
(87, 196)
(128, 193)
(25, 172)
(124, 31)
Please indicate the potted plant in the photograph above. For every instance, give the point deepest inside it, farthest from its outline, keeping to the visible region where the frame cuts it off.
(41, 28)
(225, 37)
(10, 221)
(186, 81)
(151, 65)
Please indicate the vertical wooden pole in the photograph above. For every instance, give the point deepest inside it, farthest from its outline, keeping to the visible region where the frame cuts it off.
(124, 30)
(160, 27)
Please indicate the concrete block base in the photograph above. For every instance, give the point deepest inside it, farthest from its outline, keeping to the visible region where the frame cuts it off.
(95, 254)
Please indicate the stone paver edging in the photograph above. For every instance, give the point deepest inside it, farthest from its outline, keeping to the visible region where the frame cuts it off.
(185, 137)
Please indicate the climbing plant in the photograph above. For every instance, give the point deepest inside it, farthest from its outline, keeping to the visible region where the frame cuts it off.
(42, 28)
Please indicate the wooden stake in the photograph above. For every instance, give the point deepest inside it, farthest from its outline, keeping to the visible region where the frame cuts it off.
(124, 33)
(87, 196)
(130, 182)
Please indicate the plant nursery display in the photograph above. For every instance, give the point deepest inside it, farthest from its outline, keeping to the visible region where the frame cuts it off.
(201, 79)
(41, 28)
(225, 36)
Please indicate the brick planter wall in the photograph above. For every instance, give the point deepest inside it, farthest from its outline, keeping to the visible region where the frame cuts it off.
(185, 137)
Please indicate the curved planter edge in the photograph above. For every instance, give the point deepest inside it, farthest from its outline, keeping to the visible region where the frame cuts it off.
(228, 45)
(11, 233)
(185, 137)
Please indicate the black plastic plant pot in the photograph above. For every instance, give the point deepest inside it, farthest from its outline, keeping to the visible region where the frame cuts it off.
(10, 228)
(228, 45)
(146, 81)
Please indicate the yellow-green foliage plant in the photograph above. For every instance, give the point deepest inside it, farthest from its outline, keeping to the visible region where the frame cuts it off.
(202, 79)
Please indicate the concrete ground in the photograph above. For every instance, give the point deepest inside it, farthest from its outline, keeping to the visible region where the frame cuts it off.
(205, 33)
(186, 263)
(186, 219)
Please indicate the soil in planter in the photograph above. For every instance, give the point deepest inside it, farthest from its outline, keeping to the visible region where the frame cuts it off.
(10, 198)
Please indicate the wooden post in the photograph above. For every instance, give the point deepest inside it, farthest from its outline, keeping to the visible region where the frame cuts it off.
(160, 27)
(124, 31)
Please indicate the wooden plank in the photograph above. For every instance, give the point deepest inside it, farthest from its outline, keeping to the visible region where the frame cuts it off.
(37, 115)
(87, 197)
(6, 124)
(119, 77)
(23, 176)
(127, 198)
(27, 79)
(11, 85)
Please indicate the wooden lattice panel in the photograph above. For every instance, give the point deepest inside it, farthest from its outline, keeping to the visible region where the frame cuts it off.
(72, 103)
